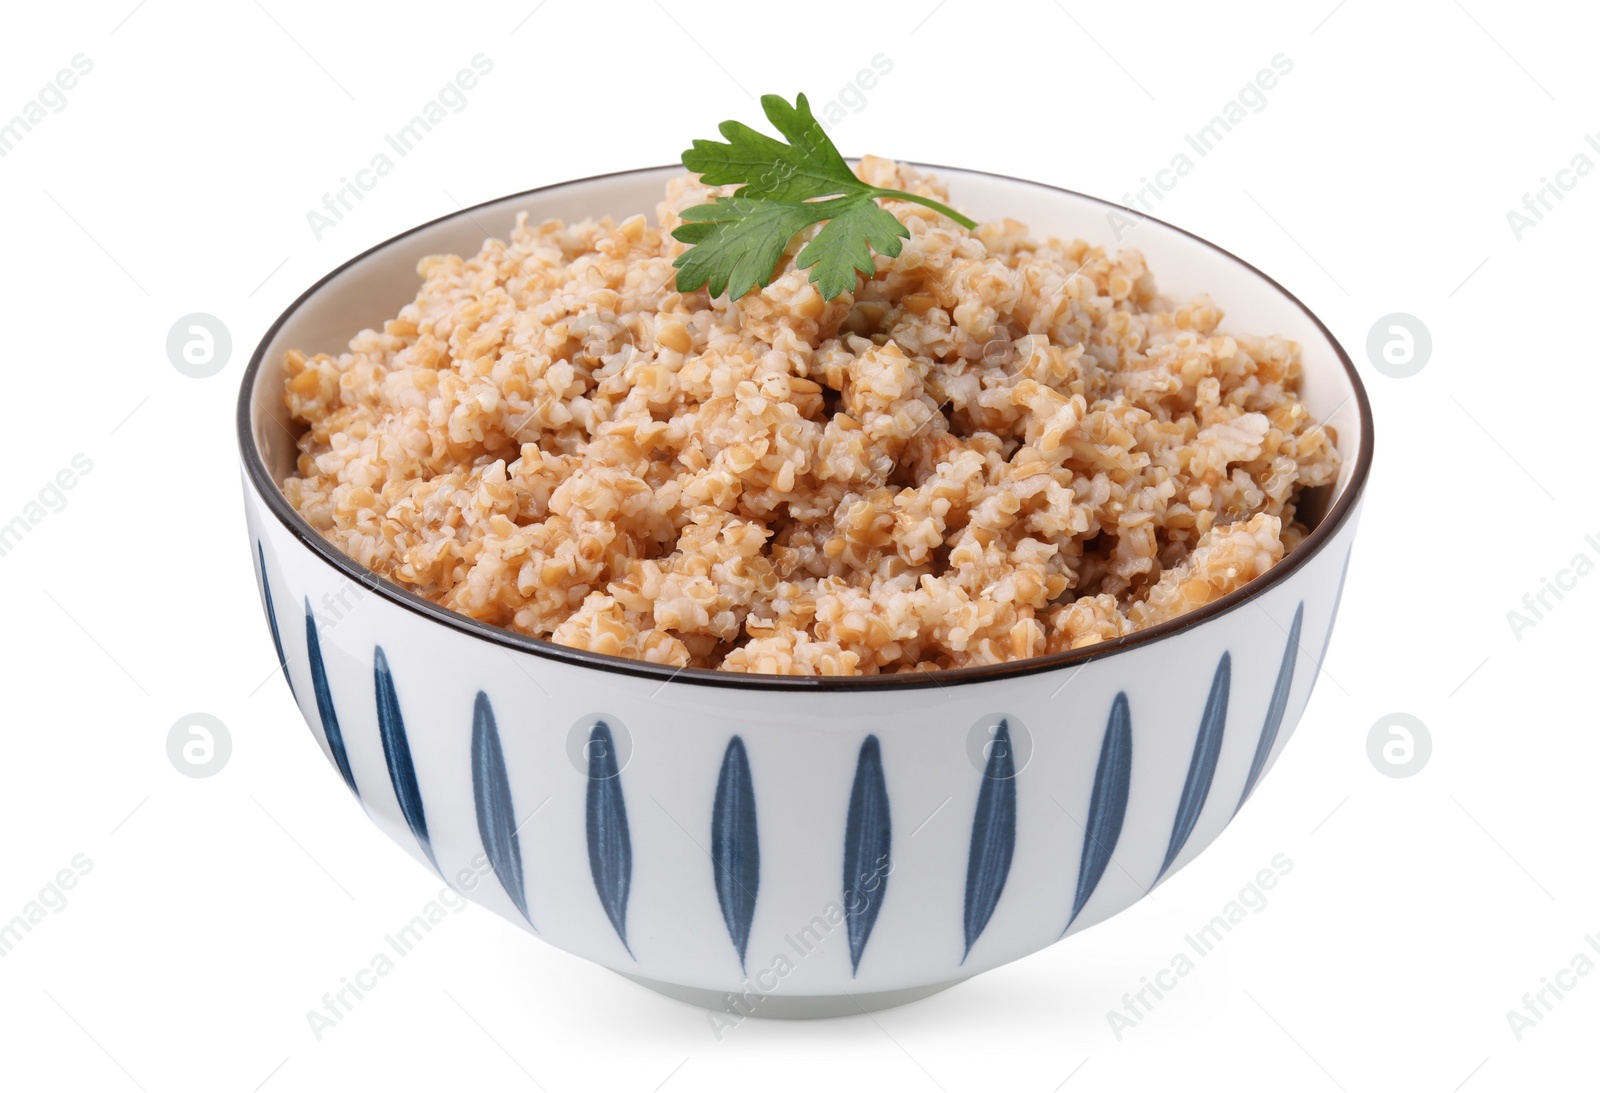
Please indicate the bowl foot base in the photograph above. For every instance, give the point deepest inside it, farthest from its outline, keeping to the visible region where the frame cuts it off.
(792, 1006)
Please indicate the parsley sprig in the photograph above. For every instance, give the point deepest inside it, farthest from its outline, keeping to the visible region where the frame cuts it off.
(737, 241)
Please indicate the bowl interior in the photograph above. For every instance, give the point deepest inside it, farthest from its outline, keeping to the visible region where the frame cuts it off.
(372, 287)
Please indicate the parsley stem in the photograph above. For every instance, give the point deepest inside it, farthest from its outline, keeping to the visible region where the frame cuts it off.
(927, 202)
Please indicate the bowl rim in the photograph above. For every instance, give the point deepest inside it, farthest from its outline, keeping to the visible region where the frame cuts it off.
(271, 494)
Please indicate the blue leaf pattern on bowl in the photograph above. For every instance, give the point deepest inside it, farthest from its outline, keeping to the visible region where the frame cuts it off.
(491, 792)
(866, 849)
(397, 754)
(1276, 706)
(735, 846)
(1202, 764)
(994, 838)
(272, 619)
(606, 828)
(1108, 804)
(325, 710)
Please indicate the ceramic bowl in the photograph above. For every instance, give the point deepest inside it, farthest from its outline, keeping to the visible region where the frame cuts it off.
(788, 846)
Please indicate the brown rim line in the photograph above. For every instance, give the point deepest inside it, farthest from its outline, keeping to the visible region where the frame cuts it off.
(1334, 520)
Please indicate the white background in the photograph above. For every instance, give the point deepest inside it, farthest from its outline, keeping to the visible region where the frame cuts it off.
(1377, 179)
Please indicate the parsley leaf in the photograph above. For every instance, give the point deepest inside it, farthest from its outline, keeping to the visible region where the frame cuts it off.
(808, 166)
(736, 242)
(856, 227)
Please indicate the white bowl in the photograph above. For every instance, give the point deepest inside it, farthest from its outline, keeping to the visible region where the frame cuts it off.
(793, 846)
